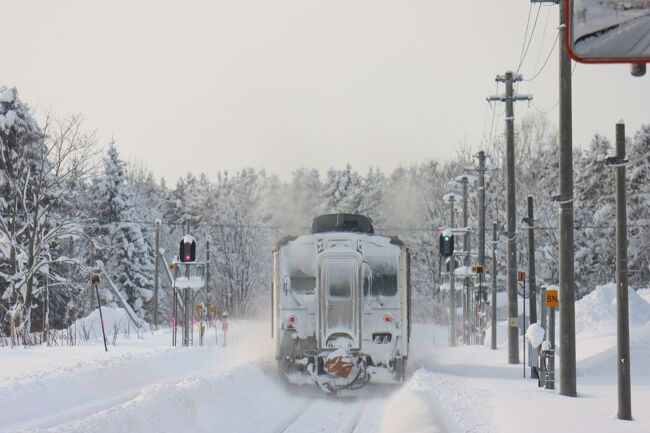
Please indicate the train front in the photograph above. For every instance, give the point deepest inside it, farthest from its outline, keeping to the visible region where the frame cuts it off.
(341, 305)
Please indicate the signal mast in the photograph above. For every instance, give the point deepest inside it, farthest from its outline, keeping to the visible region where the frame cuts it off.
(190, 281)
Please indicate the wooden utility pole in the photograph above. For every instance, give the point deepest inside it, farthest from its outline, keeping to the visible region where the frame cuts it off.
(513, 316)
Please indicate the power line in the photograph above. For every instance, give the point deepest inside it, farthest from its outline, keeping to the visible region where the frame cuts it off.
(523, 45)
(541, 44)
(525, 53)
(544, 111)
(545, 61)
(556, 102)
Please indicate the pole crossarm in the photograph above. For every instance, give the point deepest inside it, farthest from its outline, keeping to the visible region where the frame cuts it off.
(504, 98)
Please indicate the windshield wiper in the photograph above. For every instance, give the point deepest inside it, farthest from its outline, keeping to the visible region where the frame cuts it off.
(289, 289)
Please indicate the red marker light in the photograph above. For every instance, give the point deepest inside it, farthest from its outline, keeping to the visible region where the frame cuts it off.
(388, 318)
(292, 319)
(187, 258)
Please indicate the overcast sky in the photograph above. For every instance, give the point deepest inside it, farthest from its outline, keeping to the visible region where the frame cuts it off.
(211, 85)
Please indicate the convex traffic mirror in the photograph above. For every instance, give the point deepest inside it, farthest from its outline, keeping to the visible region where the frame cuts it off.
(609, 31)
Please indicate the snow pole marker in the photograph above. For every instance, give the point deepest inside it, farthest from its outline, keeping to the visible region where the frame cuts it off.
(224, 326)
(212, 311)
(199, 310)
(94, 279)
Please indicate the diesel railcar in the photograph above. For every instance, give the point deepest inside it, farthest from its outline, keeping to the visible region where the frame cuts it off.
(341, 305)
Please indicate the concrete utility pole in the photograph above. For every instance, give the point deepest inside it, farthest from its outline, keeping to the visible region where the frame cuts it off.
(513, 315)
(207, 267)
(567, 276)
(481, 229)
(623, 325)
(467, 262)
(452, 282)
(494, 286)
(481, 208)
(532, 283)
(156, 282)
(637, 69)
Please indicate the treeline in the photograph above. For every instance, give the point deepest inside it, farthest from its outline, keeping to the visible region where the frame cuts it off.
(67, 207)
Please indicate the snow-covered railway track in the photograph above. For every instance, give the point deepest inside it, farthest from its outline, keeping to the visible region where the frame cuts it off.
(326, 414)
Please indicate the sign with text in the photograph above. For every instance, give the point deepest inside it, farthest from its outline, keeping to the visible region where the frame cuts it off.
(552, 300)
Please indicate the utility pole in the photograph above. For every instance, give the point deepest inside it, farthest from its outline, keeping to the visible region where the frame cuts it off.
(207, 267)
(452, 278)
(156, 282)
(494, 286)
(481, 229)
(471, 315)
(567, 275)
(623, 325)
(513, 316)
(532, 283)
(481, 208)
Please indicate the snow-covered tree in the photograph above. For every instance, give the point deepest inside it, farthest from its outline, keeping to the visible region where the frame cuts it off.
(125, 251)
(38, 171)
(241, 239)
(343, 191)
(638, 152)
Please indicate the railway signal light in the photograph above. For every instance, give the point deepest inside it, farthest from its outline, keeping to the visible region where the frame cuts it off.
(187, 251)
(446, 245)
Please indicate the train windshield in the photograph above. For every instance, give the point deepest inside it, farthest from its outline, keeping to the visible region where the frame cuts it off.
(301, 282)
(301, 268)
(382, 280)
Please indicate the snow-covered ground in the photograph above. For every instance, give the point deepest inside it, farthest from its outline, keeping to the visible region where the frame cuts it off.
(144, 385)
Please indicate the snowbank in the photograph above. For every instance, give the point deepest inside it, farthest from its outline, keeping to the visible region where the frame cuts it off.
(114, 319)
(597, 310)
(644, 293)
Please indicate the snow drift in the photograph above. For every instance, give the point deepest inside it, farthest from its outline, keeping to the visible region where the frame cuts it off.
(115, 320)
(597, 310)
